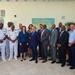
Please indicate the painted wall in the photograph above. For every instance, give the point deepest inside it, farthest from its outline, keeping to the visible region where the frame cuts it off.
(25, 11)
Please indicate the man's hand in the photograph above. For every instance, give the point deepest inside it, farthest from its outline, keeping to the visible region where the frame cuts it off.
(69, 44)
(54, 45)
(58, 45)
(20, 44)
(1, 41)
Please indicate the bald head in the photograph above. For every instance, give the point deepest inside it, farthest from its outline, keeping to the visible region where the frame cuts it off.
(60, 24)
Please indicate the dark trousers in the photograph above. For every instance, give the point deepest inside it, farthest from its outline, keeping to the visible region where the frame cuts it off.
(40, 50)
(72, 55)
(34, 52)
(18, 50)
(62, 55)
(44, 51)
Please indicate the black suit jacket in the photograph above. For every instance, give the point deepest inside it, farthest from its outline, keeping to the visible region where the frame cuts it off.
(63, 39)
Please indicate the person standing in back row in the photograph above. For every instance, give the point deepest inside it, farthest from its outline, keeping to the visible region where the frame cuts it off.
(13, 41)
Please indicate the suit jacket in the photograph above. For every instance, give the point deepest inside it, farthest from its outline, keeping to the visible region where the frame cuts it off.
(63, 39)
(45, 37)
(39, 32)
(53, 37)
(34, 39)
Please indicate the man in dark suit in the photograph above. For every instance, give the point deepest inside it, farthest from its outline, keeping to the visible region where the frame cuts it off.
(44, 42)
(59, 28)
(33, 43)
(62, 45)
(40, 47)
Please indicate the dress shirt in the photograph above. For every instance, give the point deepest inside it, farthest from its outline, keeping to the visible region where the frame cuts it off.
(72, 36)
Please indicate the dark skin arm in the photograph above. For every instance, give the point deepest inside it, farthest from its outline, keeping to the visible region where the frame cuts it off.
(13, 40)
(1, 41)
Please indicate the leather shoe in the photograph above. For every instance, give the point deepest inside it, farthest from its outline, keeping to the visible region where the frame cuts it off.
(44, 61)
(62, 65)
(53, 62)
(72, 68)
(31, 59)
(58, 62)
(49, 59)
(36, 62)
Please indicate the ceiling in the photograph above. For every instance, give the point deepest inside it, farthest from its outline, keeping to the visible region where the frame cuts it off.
(34, 0)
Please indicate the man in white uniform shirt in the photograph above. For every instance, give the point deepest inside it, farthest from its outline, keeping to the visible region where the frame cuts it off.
(7, 41)
(13, 36)
(2, 43)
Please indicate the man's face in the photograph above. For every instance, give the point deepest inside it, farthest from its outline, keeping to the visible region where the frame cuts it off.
(12, 27)
(41, 26)
(60, 24)
(33, 29)
(9, 24)
(72, 27)
(1, 26)
(20, 26)
(63, 28)
(53, 26)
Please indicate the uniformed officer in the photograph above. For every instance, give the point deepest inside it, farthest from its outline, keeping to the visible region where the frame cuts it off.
(7, 41)
(2, 43)
(13, 43)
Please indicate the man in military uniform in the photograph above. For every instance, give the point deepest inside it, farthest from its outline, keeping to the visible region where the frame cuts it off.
(2, 43)
(13, 43)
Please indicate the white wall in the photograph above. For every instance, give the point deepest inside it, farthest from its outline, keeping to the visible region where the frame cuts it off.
(25, 11)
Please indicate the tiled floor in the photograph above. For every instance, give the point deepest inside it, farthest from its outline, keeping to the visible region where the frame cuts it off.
(26, 67)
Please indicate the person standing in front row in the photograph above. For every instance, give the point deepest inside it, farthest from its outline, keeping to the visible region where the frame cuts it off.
(2, 43)
(53, 41)
(33, 43)
(44, 42)
(8, 28)
(13, 42)
(62, 45)
(23, 42)
(72, 46)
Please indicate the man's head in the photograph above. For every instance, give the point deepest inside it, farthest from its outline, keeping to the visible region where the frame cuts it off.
(12, 27)
(44, 26)
(1, 25)
(72, 26)
(63, 27)
(33, 28)
(30, 26)
(20, 26)
(9, 24)
(60, 24)
(41, 26)
(53, 26)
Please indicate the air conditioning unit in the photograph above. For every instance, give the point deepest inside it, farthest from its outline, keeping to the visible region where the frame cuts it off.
(2, 13)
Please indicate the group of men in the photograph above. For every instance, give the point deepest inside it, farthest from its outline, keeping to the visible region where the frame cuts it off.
(58, 39)
(8, 41)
